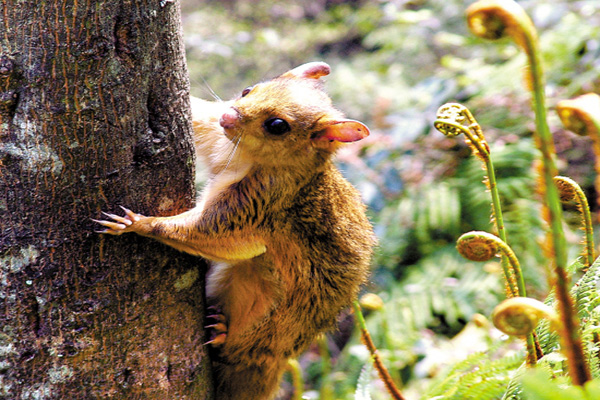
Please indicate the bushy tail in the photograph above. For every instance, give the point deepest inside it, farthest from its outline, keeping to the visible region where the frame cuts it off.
(243, 382)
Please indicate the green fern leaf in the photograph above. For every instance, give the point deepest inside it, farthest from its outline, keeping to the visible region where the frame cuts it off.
(363, 387)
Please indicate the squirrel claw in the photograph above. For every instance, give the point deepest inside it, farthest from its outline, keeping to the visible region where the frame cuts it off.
(132, 216)
(217, 317)
(112, 226)
(117, 224)
(118, 218)
(219, 327)
(217, 340)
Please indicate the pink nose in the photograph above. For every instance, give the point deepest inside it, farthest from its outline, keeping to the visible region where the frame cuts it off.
(229, 119)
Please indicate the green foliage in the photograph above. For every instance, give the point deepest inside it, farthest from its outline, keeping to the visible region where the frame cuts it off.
(491, 374)
(586, 294)
(419, 223)
(476, 377)
(445, 292)
(363, 386)
(541, 385)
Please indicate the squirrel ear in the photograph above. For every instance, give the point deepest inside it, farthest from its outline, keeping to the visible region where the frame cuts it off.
(346, 130)
(312, 70)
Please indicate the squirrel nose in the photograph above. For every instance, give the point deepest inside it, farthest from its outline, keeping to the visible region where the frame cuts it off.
(229, 119)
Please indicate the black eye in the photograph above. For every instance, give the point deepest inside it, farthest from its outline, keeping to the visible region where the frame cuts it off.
(247, 90)
(276, 126)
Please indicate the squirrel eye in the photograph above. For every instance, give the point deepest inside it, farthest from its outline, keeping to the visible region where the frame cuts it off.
(276, 126)
(247, 90)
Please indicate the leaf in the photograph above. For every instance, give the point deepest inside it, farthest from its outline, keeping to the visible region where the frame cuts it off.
(363, 387)
(538, 386)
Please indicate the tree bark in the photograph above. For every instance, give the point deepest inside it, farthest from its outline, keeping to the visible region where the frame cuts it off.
(94, 113)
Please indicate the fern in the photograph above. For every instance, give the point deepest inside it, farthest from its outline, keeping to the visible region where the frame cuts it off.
(416, 225)
(448, 384)
(591, 338)
(540, 384)
(476, 377)
(586, 291)
(514, 388)
(445, 291)
(363, 386)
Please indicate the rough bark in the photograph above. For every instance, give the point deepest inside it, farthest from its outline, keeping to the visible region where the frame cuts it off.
(94, 114)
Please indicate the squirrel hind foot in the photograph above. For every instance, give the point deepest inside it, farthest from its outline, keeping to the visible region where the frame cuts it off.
(218, 329)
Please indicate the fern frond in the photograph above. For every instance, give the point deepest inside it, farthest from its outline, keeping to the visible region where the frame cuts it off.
(585, 291)
(591, 339)
(448, 385)
(514, 390)
(363, 386)
(477, 377)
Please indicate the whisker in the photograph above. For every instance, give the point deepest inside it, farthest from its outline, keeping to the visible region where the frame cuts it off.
(235, 147)
(232, 152)
(206, 87)
(210, 90)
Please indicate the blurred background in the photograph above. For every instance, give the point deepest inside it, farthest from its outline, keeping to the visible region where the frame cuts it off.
(394, 63)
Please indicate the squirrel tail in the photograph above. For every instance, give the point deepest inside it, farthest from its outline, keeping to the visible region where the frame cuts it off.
(248, 382)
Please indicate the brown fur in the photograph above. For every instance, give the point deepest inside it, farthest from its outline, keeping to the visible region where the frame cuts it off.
(287, 234)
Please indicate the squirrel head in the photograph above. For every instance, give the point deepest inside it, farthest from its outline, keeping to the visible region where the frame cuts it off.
(289, 120)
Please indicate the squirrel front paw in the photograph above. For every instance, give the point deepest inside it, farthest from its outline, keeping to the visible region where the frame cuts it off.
(119, 224)
(219, 328)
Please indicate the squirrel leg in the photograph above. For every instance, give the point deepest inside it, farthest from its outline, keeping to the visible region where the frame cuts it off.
(188, 232)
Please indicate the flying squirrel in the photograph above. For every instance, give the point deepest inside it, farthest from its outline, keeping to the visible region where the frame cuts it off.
(286, 234)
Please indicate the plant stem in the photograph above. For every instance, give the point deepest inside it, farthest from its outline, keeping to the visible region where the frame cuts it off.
(499, 222)
(473, 244)
(384, 374)
(569, 190)
(530, 340)
(484, 154)
(297, 381)
(326, 392)
(574, 348)
(493, 19)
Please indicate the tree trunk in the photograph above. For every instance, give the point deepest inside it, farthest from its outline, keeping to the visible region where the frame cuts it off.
(94, 113)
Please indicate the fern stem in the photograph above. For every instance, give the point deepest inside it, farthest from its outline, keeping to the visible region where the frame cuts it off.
(475, 139)
(297, 381)
(579, 369)
(570, 190)
(326, 391)
(492, 19)
(482, 246)
(499, 222)
(383, 372)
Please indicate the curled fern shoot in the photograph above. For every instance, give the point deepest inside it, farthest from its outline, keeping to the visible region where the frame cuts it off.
(483, 246)
(493, 19)
(581, 116)
(371, 302)
(519, 316)
(569, 190)
(383, 372)
(478, 246)
(454, 119)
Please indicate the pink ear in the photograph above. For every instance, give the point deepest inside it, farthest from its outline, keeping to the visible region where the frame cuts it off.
(312, 70)
(346, 130)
